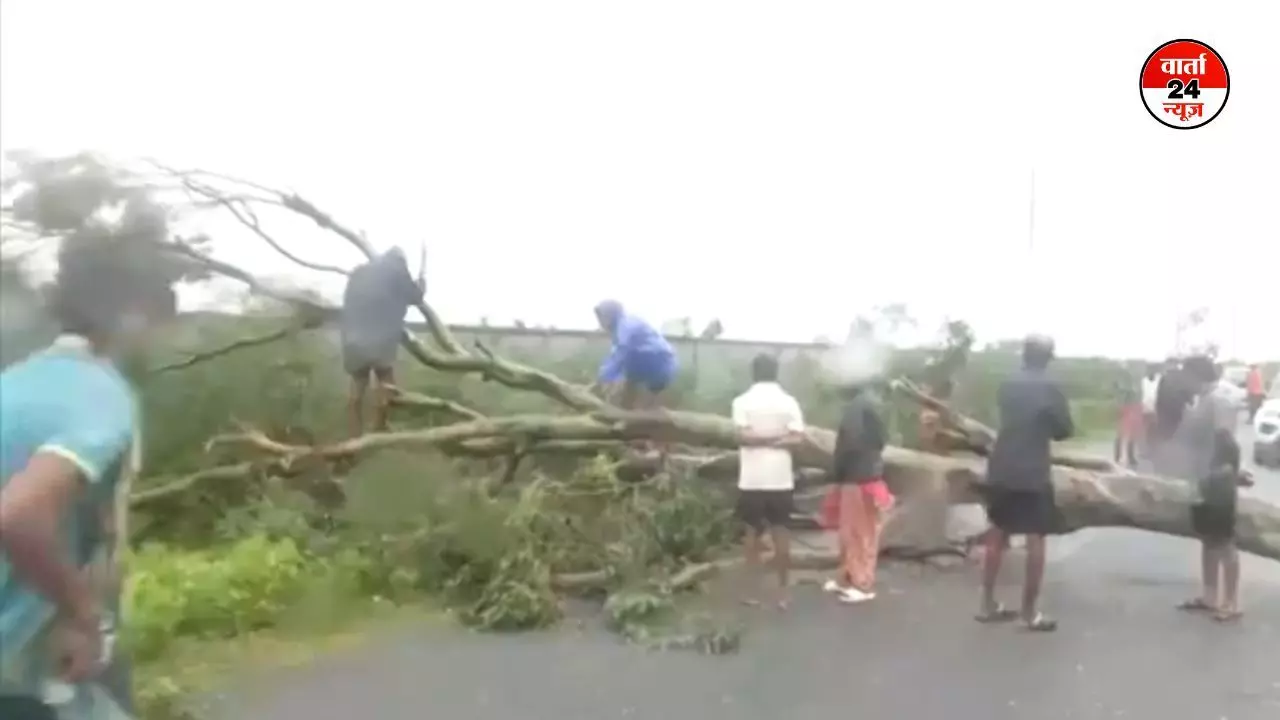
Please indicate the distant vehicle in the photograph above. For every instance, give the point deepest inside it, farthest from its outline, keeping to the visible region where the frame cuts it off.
(1236, 375)
(1266, 429)
(1235, 394)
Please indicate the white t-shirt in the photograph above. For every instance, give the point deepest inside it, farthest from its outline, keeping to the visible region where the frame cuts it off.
(1149, 388)
(767, 409)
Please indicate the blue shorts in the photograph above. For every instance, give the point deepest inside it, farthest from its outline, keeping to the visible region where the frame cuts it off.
(653, 372)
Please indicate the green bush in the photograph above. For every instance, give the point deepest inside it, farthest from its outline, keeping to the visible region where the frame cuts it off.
(212, 593)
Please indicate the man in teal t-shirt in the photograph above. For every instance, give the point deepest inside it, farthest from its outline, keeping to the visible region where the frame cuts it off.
(68, 420)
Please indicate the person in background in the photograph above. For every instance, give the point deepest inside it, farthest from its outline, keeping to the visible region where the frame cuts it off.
(1130, 422)
(641, 363)
(962, 519)
(932, 439)
(1173, 394)
(864, 498)
(1150, 386)
(68, 420)
(1255, 391)
(769, 423)
(372, 322)
(1033, 413)
(1207, 454)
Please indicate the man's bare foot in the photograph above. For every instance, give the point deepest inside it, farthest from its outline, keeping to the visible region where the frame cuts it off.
(854, 596)
(1228, 615)
(994, 612)
(1197, 604)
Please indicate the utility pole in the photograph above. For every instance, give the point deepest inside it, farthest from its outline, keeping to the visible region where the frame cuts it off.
(1031, 216)
(1031, 310)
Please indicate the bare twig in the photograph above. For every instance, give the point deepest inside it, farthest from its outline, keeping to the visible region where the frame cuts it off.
(206, 355)
(247, 217)
(405, 398)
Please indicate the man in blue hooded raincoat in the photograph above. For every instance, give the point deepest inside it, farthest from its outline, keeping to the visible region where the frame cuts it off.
(641, 364)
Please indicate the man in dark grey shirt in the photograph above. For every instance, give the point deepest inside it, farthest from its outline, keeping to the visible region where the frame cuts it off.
(1033, 413)
(378, 295)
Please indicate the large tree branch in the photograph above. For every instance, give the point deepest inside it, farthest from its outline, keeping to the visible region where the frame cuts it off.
(451, 355)
(485, 364)
(980, 438)
(1085, 498)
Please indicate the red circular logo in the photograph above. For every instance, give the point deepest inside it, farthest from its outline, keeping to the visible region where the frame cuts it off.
(1185, 84)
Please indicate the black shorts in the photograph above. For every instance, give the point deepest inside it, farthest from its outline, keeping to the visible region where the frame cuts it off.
(1254, 404)
(1022, 512)
(362, 360)
(1214, 522)
(763, 509)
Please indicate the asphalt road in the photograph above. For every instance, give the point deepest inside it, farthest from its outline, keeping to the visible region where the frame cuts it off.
(1122, 652)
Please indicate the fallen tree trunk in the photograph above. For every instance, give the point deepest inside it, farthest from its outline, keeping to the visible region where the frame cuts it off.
(925, 483)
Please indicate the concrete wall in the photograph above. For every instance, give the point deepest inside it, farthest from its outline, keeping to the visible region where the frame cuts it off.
(700, 360)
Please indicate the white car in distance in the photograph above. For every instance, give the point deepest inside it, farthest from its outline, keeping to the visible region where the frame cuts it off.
(1266, 429)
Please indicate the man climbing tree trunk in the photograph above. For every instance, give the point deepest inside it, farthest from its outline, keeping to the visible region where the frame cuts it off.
(378, 295)
(640, 365)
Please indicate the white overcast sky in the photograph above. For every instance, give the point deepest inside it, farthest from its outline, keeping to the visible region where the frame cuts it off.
(780, 165)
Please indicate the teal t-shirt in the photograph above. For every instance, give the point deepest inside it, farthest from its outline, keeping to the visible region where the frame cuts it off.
(62, 400)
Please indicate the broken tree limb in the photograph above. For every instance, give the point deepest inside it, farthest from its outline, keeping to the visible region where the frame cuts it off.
(406, 398)
(980, 438)
(166, 489)
(237, 197)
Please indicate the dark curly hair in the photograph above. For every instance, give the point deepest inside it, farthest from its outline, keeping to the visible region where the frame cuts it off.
(96, 288)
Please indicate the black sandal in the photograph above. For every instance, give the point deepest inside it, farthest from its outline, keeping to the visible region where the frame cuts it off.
(1196, 605)
(996, 614)
(1040, 623)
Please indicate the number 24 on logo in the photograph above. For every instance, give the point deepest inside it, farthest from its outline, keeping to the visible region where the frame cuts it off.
(1177, 90)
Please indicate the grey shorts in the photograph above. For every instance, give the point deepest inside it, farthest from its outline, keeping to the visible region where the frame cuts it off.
(360, 359)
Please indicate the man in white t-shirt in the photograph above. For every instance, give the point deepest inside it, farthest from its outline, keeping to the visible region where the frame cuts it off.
(769, 424)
